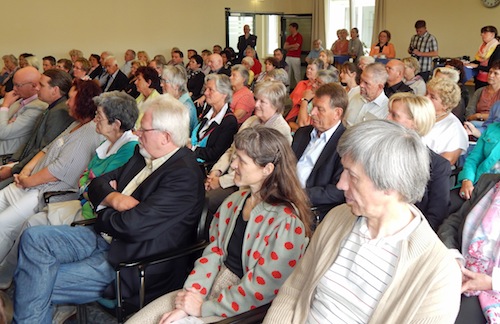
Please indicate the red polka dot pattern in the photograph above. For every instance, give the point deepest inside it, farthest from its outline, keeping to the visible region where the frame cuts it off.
(288, 245)
(261, 261)
(220, 298)
(298, 230)
(259, 296)
(274, 255)
(242, 291)
(260, 280)
(259, 219)
(229, 204)
(235, 306)
(288, 210)
(292, 263)
(276, 274)
(203, 260)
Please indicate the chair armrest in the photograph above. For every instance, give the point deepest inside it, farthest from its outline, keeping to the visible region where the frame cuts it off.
(165, 256)
(252, 316)
(85, 222)
(49, 194)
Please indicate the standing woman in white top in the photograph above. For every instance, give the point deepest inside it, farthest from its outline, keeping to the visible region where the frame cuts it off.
(448, 137)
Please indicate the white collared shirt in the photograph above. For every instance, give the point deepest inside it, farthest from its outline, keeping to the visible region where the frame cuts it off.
(312, 152)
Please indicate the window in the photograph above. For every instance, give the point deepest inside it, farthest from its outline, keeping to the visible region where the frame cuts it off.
(348, 14)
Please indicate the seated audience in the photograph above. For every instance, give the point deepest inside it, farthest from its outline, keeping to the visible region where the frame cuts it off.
(96, 68)
(315, 50)
(448, 137)
(148, 85)
(315, 146)
(453, 75)
(115, 118)
(81, 69)
(9, 68)
(374, 259)
(472, 236)
(131, 88)
(237, 272)
(484, 158)
(214, 133)
(174, 82)
(64, 65)
(417, 113)
(356, 49)
(383, 49)
(20, 110)
(116, 79)
(412, 79)
(242, 103)
(327, 57)
(75, 54)
(341, 45)
(302, 86)
(279, 54)
(395, 74)
(56, 167)
(270, 99)
(257, 66)
(364, 61)
(48, 62)
(32, 61)
(306, 106)
(493, 117)
(150, 205)
(143, 56)
(371, 103)
(196, 78)
(54, 87)
(350, 75)
(248, 63)
(270, 64)
(482, 100)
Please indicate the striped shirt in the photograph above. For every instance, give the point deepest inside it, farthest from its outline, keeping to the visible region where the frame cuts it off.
(424, 43)
(350, 290)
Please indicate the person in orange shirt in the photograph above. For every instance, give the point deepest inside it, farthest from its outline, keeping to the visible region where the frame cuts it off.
(383, 47)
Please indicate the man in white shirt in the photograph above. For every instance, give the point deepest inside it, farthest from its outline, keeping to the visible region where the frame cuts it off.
(129, 57)
(315, 146)
(372, 102)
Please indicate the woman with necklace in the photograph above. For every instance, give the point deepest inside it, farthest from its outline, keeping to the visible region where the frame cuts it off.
(448, 137)
(215, 132)
(257, 236)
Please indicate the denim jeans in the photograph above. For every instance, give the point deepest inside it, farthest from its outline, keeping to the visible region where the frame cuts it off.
(59, 265)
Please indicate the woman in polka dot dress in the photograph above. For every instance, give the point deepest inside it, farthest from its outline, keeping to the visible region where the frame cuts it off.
(257, 236)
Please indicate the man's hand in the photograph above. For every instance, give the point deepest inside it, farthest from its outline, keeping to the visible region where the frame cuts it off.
(10, 98)
(5, 172)
(120, 202)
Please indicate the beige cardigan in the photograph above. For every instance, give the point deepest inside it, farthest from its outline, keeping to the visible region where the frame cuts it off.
(425, 287)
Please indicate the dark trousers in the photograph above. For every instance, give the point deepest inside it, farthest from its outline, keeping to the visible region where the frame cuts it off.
(470, 311)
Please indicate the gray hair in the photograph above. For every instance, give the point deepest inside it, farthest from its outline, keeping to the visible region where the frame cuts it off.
(450, 73)
(393, 157)
(328, 76)
(248, 60)
(33, 61)
(10, 57)
(378, 72)
(279, 75)
(176, 76)
(274, 91)
(222, 84)
(243, 71)
(120, 106)
(112, 60)
(367, 59)
(412, 62)
(169, 115)
(319, 64)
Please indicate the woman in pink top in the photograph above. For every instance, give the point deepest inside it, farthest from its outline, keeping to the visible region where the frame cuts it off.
(243, 102)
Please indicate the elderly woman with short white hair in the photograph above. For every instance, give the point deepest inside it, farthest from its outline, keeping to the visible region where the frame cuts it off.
(374, 259)
(243, 102)
(412, 79)
(174, 82)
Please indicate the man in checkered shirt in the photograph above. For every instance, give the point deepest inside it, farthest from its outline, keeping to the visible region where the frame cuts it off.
(423, 46)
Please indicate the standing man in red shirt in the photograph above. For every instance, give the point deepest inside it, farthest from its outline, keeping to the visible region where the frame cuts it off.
(293, 45)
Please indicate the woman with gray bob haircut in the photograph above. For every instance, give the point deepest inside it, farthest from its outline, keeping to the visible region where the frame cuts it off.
(374, 259)
(174, 82)
(119, 106)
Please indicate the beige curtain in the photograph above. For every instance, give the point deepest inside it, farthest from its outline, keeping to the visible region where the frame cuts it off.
(379, 19)
(318, 22)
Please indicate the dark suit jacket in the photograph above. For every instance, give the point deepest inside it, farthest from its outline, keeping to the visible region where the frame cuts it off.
(51, 123)
(96, 73)
(171, 201)
(119, 83)
(220, 139)
(244, 43)
(436, 200)
(451, 230)
(321, 186)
